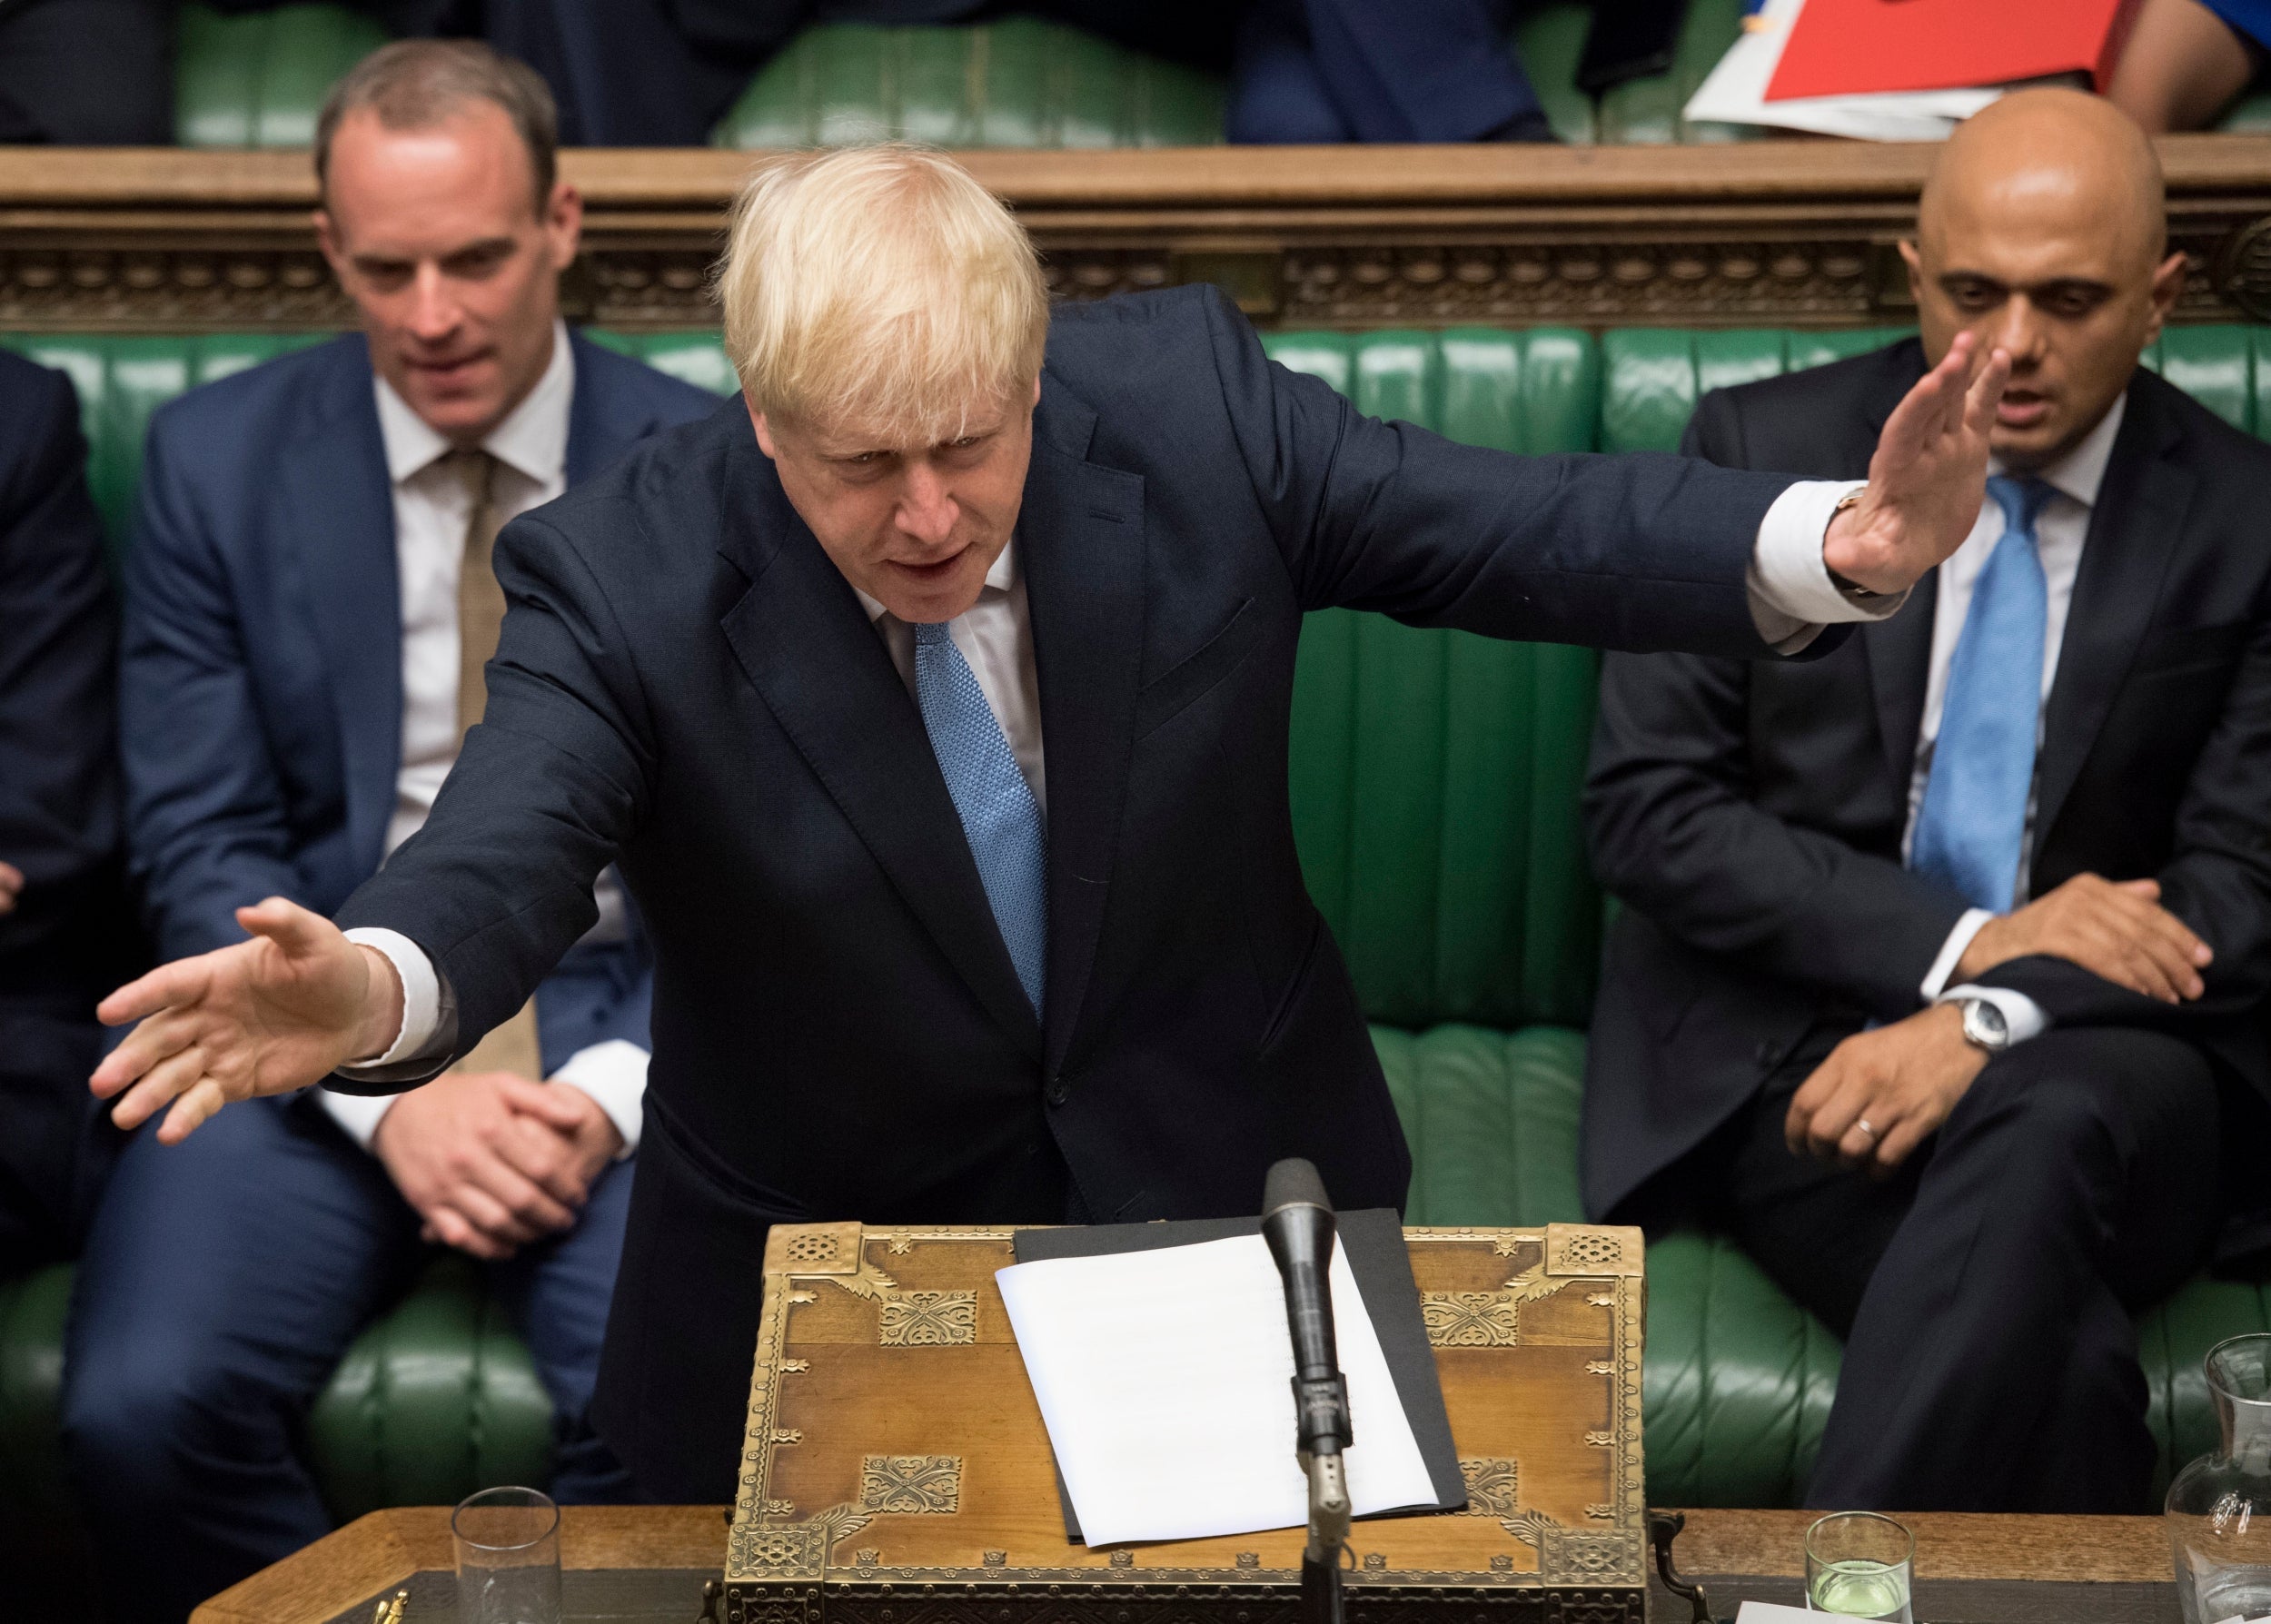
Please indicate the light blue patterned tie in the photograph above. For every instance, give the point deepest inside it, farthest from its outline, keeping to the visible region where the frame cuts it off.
(1973, 821)
(992, 799)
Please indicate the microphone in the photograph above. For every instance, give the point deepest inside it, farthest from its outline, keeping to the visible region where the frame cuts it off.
(1297, 1222)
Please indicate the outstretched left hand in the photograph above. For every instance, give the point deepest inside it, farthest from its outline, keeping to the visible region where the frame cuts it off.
(1928, 477)
(1882, 1092)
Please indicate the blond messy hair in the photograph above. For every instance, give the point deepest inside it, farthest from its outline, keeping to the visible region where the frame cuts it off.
(880, 290)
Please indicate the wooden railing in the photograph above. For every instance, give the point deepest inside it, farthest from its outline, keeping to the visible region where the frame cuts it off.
(1796, 232)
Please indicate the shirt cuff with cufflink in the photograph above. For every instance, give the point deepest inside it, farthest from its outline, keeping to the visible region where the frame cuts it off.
(1792, 597)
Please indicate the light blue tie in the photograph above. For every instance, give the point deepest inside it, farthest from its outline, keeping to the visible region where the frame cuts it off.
(990, 796)
(1973, 821)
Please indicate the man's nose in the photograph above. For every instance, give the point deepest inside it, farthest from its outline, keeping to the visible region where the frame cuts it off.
(2020, 329)
(927, 510)
(434, 313)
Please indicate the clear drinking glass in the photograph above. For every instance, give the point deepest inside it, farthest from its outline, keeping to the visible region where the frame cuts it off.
(2219, 1507)
(1858, 1565)
(508, 1557)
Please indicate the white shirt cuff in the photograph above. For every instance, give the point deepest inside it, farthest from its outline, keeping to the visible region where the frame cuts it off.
(421, 996)
(358, 1113)
(2021, 1013)
(614, 1075)
(1950, 951)
(1792, 597)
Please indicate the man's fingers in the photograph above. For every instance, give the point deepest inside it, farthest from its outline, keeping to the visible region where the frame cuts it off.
(547, 1158)
(1986, 393)
(562, 1108)
(167, 1080)
(489, 1215)
(452, 1228)
(527, 1201)
(149, 1044)
(197, 1105)
(285, 923)
(2147, 889)
(1901, 1141)
(183, 981)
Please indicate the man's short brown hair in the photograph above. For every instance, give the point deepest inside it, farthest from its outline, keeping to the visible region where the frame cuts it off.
(416, 83)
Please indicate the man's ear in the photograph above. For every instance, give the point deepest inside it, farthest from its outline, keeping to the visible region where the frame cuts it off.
(2169, 285)
(563, 223)
(1915, 262)
(327, 240)
(764, 433)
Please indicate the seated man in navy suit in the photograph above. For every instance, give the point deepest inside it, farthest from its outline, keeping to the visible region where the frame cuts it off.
(311, 606)
(1936, 988)
(65, 928)
(933, 705)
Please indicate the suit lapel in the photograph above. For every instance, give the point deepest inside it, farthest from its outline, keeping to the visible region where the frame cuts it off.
(339, 518)
(2135, 530)
(608, 414)
(1080, 539)
(807, 646)
(1900, 650)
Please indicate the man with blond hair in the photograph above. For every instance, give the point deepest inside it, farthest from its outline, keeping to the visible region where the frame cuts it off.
(935, 712)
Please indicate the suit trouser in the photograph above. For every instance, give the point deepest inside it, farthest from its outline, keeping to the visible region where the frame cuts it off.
(54, 1146)
(223, 1281)
(1326, 71)
(1985, 1291)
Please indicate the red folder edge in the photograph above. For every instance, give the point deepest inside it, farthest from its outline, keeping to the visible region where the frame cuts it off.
(1861, 47)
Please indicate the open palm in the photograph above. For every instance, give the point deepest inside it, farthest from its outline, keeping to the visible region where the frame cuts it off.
(265, 1016)
(1927, 476)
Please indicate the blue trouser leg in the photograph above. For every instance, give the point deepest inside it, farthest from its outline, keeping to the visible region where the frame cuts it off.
(558, 1292)
(222, 1282)
(1419, 70)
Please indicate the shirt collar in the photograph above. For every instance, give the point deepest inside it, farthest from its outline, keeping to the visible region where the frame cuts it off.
(532, 440)
(1001, 578)
(2082, 470)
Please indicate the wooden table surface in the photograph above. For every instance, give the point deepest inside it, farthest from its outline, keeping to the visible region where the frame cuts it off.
(373, 1555)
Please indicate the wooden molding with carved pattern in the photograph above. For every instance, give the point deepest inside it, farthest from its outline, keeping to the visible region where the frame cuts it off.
(1786, 232)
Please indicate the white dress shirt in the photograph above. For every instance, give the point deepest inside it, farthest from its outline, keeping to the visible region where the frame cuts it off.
(2059, 531)
(431, 511)
(1792, 598)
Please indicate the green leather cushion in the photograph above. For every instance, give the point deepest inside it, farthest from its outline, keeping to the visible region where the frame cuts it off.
(259, 78)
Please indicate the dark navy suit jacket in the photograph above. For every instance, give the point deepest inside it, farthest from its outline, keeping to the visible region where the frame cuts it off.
(70, 934)
(688, 686)
(260, 697)
(1751, 816)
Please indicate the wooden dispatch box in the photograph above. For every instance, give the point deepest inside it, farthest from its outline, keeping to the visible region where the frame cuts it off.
(896, 1468)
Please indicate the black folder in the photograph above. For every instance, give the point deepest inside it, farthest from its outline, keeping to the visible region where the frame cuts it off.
(1374, 1241)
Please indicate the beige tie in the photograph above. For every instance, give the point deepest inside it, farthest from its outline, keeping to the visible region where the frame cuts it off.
(481, 617)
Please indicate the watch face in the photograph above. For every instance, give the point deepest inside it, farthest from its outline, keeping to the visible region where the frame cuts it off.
(1984, 1024)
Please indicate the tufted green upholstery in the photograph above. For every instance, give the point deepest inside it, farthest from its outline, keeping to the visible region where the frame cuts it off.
(1020, 82)
(258, 80)
(1435, 779)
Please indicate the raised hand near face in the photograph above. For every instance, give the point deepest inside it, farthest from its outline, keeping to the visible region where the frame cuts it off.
(265, 1016)
(1928, 477)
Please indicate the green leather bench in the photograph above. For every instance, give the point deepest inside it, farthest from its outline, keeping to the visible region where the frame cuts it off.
(1434, 790)
(258, 79)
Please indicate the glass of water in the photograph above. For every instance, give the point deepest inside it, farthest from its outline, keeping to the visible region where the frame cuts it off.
(508, 1557)
(1859, 1565)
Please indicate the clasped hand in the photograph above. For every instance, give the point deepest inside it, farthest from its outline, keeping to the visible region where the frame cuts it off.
(492, 1161)
(1881, 1093)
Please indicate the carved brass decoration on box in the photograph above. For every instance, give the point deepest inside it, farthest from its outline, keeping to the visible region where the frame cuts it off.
(1492, 1486)
(932, 1465)
(928, 1319)
(910, 1485)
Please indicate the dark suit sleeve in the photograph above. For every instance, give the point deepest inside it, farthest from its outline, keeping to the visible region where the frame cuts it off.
(1674, 832)
(58, 649)
(1640, 552)
(547, 787)
(2219, 881)
(206, 819)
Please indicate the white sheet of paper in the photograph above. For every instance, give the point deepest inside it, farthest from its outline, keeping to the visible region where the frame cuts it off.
(1774, 1612)
(1164, 1377)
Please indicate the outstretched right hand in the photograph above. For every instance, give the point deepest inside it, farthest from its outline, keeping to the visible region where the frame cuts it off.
(265, 1016)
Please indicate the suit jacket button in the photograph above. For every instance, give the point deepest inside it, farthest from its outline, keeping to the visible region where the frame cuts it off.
(1057, 1091)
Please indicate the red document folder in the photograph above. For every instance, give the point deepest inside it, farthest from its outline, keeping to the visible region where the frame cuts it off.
(1858, 47)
